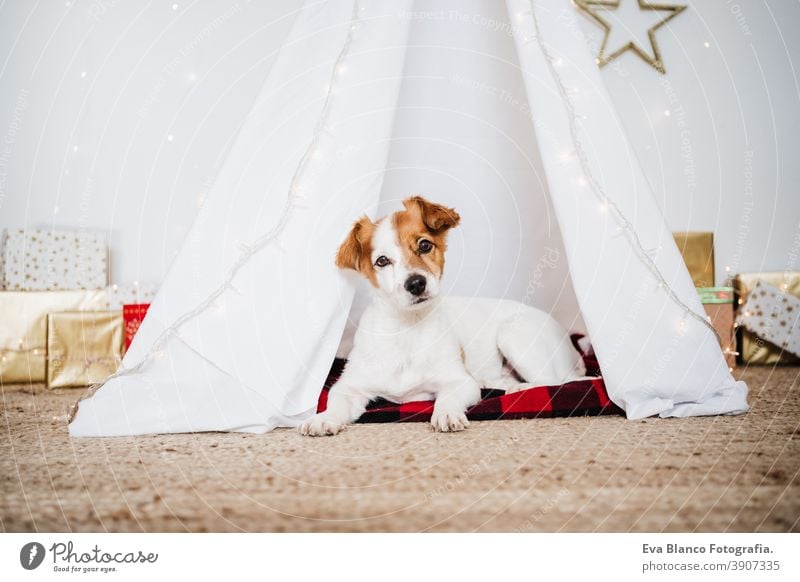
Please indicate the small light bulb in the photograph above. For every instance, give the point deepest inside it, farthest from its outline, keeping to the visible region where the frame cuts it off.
(667, 113)
(83, 74)
(707, 44)
(174, 6)
(170, 137)
(74, 148)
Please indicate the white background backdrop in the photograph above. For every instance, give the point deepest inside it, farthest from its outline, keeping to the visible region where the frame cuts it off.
(116, 115)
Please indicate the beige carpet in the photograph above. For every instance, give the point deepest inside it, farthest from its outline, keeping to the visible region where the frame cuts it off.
(578, 474)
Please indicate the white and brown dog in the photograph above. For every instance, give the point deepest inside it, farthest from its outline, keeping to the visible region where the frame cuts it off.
(412, 344)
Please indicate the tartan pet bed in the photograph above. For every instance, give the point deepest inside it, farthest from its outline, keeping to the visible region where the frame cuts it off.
(580, 398)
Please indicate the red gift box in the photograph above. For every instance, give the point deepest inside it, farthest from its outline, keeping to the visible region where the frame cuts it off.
(132, 316)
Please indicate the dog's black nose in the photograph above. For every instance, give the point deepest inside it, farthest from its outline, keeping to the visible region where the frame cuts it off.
(415, 284)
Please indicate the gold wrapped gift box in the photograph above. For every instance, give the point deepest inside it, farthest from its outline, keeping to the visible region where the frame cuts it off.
(753, 349)
(83, 347)
(697, 249)
(23, 332)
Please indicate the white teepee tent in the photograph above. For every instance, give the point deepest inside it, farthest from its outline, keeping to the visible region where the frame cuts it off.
(244, 329)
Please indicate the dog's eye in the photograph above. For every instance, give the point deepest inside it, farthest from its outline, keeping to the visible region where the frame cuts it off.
(382, 261)
(425, 246)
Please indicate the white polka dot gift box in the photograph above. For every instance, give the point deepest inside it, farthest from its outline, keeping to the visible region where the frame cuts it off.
(773, 315)
(51, 260)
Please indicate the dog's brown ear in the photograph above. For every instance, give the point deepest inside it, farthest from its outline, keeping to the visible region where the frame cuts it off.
(356, 246)
(435, 216)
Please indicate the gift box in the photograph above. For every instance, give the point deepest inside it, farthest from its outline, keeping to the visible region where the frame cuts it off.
(23, 332)
(133, 315)
(129, 294)
(83, 347)
(771, 313)
(753, 349)
(697, 249)
(718, 304)
(50, 260)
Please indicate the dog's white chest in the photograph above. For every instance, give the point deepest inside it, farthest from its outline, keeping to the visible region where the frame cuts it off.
(407, 355)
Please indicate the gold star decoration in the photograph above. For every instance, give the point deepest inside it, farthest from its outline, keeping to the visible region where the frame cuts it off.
(592, 8)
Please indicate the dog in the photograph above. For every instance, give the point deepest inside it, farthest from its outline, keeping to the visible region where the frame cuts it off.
(412, 344)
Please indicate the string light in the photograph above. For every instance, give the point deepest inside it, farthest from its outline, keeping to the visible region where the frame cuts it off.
(707, 44)
(170, 137)
(598, 190)
(667, 113)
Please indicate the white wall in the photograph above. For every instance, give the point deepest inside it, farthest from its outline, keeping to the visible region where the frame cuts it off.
(115, 115)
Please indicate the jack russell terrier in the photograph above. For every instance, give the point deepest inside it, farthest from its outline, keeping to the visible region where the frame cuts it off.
(412, 344)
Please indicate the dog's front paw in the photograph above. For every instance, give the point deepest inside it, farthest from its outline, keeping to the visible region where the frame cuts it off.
(448, 421)
(320, 425)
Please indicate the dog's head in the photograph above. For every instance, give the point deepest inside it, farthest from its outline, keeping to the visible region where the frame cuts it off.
(402, 255)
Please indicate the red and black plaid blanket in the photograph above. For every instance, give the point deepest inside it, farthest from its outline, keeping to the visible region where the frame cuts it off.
(584, 397)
